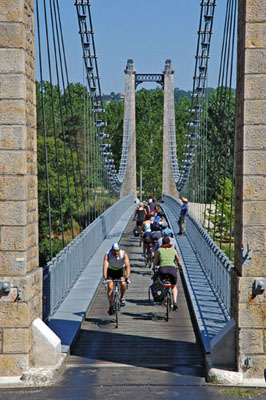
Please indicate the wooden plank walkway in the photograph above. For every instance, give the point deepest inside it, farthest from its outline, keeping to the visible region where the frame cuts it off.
(144, 338)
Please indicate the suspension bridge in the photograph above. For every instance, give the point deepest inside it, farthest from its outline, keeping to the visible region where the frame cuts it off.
(54, 236)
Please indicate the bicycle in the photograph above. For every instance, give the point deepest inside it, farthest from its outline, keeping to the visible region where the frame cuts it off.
(168, 296)
(148, 258)
(116, 297)
(165, 294)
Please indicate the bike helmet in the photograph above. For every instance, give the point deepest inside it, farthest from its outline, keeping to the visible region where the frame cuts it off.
(116, 246)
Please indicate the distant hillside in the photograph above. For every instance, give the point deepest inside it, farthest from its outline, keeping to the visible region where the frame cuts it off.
(178, 93)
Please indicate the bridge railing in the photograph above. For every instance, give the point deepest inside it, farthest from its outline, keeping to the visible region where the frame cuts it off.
(60, 274)
(215, 263)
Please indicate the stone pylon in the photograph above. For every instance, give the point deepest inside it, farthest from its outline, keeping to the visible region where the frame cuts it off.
(129, 185)
(20, 275)
(248, 296)
(169, 134)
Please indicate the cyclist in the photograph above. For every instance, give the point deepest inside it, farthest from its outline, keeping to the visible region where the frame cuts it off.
(140, 215)
(146, 228)
(166, 233)
(116, 265)
(166, 257)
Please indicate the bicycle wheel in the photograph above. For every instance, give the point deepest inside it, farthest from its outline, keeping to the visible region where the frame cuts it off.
(168, 305)
(117, 308)
(146, 259)
(150, 260)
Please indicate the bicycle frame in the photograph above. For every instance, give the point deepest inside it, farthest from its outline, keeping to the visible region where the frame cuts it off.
(116, 297)
(168, 297)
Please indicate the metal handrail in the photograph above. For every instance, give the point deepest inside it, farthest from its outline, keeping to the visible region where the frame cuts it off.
(61, 273)
(216, 264)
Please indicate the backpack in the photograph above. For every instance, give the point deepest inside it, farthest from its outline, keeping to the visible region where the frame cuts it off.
(157, 290)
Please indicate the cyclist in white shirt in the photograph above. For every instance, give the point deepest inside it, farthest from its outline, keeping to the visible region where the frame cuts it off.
(116, 265)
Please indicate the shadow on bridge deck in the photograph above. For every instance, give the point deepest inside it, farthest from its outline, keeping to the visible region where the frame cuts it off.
(144, 339)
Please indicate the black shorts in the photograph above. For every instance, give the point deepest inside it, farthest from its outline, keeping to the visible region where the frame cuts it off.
(115, 273)
(171, 272)
(139, 222)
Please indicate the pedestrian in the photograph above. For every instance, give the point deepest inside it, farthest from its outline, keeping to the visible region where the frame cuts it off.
(182, 216)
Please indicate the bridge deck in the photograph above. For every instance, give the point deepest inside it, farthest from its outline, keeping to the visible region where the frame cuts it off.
(144, 338)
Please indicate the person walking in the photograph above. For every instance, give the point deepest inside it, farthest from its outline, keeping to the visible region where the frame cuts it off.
(182, 216)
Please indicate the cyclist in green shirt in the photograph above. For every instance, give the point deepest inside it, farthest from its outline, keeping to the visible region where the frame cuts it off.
(166, 257)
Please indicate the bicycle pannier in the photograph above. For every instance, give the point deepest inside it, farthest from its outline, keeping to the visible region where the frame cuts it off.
(136, 232)
(157, 290)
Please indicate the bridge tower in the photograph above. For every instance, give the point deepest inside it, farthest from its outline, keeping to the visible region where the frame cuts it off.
(20, 275)
(169, 135)
(129, 185)
(249, 278)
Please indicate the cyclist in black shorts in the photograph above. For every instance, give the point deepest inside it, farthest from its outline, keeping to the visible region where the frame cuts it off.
(140, 215)
(166, 257)
(116, 265)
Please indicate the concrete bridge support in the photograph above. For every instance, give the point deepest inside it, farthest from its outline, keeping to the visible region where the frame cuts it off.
(20, 277)
(248, 297)
(129, 130)
(169, 135)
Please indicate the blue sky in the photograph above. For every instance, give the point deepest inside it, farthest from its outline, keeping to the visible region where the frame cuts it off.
(147, 31)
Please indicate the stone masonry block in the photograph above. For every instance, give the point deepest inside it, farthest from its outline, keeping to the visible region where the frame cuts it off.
(31, 284)
(12, 87)
(10, 11)
(254, 163)
(14, 162)
(256, 11)
(245, 290)
(13, 364)
(12, 110)
(256, 237)
(13, 213)
(251, 341)
(255, 61)
(254, 187)
(255, 87)
(36, 307)
(12, 187)
(255, 137)
(258, 366)
(252, 316)
(12, 61)
(258, 263)
(16, 340)
(255, 112)
(32, 235)
(13, 238)
(12, 263)
(32, 258)
(12, 35)
(32, 211)
(31, 139)
(14, 315)
(46, 345)
(13, 137)
(255, 35)
(32, 187)
(254, 213)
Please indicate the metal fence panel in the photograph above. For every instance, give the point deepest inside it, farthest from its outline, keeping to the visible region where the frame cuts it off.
(61, 273)
(215, 263)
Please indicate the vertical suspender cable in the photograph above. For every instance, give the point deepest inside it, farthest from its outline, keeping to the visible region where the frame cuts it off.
(61, 120)
(44, 134)
(54, 124)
